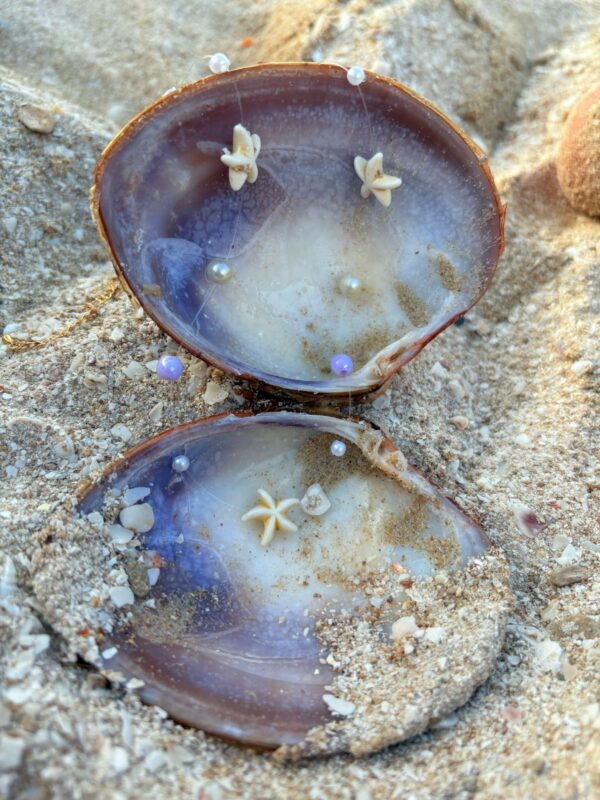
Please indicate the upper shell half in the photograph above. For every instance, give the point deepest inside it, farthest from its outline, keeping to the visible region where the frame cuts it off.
(325, 252)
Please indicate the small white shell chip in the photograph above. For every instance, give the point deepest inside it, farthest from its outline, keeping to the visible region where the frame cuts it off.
(138, 518)
(315, 502)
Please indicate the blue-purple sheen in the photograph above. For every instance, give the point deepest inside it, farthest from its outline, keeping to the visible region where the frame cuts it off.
(169, 368)
(342, 365)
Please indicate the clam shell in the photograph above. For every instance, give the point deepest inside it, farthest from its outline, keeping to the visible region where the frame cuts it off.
(225, 633)
(317, 269)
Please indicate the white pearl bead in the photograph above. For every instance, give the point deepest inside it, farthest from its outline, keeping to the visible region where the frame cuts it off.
(180, 463)
(219, 272)
(219, 63)
(338, 448)
(356, 76)
(350, 285)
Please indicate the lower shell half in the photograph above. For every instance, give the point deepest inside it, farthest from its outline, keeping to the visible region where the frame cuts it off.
(295, 584)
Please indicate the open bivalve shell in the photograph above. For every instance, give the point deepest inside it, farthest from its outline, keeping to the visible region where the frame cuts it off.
(273, 217)
(299, 586)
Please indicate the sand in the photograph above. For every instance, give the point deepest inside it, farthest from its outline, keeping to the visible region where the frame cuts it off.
(523, 370)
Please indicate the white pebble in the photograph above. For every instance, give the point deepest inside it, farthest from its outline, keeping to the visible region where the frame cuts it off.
(548, 655)
(109, 653)
(356, 76)
(10, 225)
(439, 371)
(153, 575)
(522, 439)
(120, 431)
(568, 555)
(155, 760)
(11, 752)
(457, 389)
(218, 63)
(119, 759)
(96, 519)
(134, 495)
(460, 422)
(214, 393)
(116, 335)
(580, 368)
(434, 635)
(403, 627)
(134, 371)
(560, 541)
(119, 534)
(8, 581)
(121, 596)
(381, 402)
(446, 722)
(156, 411)
(139, 519)
(342, 707)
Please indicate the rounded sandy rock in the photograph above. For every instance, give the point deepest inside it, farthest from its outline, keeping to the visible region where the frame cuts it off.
(578, 162)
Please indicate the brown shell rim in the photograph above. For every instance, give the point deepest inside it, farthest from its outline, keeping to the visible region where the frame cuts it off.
(295, 388)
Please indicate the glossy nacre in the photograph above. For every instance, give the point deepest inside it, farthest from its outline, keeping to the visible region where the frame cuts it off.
(313, 268)
(225, 631)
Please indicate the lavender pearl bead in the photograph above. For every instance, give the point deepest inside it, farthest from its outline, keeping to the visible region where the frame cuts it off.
(169, 368)
(342, 365)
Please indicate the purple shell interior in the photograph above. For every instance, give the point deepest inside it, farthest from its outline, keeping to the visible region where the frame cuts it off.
(227, 642)
(166, 208)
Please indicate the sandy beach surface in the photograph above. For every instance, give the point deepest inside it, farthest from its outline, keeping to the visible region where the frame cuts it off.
(522, 370)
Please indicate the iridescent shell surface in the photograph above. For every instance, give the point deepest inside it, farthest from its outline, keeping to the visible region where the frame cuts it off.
(226, 639)
(296, 238)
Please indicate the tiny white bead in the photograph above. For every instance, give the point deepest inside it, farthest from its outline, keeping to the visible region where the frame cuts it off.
(338, 448)
(219, 272)
(356, 76)
(219, 63)
(350, 285)
(180, 463)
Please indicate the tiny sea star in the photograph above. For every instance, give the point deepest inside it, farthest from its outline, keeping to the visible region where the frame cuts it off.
(272, 514)
(374, 179)
(242, 161)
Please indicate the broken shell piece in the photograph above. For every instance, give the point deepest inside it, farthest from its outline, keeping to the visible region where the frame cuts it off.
(315, 502)
(242, 161)
(403, 628)
(138, 518)
(232, 636)
(339, 706)
(119, 534)
(164, 203)
(8, 578)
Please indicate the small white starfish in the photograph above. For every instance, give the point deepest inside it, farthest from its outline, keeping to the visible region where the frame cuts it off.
(272, 514)
(374, 179)
(242, 161)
